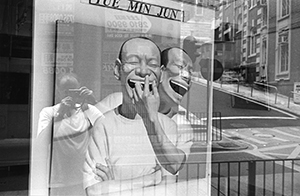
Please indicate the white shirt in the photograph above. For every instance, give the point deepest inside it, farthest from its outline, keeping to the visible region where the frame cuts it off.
(125, 144)
(71, 138)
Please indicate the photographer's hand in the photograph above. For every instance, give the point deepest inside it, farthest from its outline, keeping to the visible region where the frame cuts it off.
(65, 107)
(87, 96)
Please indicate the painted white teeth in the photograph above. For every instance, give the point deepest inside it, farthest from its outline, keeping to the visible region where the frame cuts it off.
(179, 85)
(141, 82)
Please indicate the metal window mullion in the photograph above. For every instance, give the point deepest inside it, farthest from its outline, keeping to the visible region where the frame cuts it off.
(219, 180)
(273, 178)
(239, 178)
(292, 180)
(228, 178)
(264, 180)
(283, 176)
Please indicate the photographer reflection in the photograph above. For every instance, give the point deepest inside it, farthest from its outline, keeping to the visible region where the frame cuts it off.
(71, 121)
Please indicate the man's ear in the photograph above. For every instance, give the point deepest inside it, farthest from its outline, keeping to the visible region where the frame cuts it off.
(117, 69)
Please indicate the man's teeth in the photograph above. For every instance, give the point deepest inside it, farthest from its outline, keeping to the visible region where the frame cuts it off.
(142, 84)
(178, 84)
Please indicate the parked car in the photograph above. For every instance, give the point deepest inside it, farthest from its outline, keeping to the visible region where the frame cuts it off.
(230, 77)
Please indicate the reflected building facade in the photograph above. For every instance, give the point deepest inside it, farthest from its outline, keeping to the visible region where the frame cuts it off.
(257, 35)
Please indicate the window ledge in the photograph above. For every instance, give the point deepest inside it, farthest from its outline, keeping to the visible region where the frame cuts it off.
(278, 79)
(252, 7)
(283, 76)
(284, 17)
(264, 26)
(282, 73)
(251, 55)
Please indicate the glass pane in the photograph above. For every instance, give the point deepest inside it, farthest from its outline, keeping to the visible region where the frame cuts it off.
(123, 77)
(234, 92)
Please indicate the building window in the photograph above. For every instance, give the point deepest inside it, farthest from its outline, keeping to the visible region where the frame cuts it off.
(252, 3)
(264, 52)
(283, 53)
(219, 47)
(284, 8)
(264, 16)
(228, 32)
(252, 43)
(199, 7)
(240, 23)
(263, 2)
(228, 47)
(227, 3)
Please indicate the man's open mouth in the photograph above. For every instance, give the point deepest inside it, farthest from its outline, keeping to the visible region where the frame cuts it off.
(178, 88)
(131, 83)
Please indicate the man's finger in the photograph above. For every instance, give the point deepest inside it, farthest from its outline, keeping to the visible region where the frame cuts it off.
(102, 168)
(82, 88)
(100, 175)
(146, 85)
(103, 171)
(110, 168)
(135, 96)
(67, 98)
(67, 102)
(138, 89)
(85, 91)
(154, 88)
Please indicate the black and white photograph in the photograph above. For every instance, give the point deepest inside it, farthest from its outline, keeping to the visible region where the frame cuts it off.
(149, 98)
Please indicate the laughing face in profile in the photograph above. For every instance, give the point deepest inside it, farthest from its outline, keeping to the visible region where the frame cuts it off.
(176, 78)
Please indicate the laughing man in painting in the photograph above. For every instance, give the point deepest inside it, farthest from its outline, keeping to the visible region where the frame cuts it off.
(134, 141)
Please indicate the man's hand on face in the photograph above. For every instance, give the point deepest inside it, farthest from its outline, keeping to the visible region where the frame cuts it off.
(146, 102)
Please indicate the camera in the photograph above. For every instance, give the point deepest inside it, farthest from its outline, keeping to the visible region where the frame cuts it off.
(75, 94)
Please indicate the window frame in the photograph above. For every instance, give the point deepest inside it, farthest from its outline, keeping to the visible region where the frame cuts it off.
(252, 3)
(252, 43)
(264, 16)
(199, 9)
(240, 22)
(281, 7)
(281, 44)
(264, 50)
